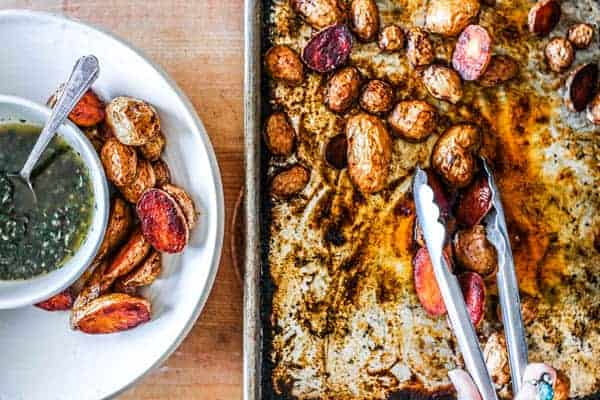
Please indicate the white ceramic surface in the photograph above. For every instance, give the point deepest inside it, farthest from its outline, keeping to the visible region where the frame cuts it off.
(19, 293)
(40, 357)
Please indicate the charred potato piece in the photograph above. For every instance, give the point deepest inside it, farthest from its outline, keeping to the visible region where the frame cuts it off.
(453, 154)
(91, 290)
(161, 172)
(472, 53)
(283, 64)
(279, 134)
(113, 313)
(496, 358)
(581, 35)
(500, 70)
(162, 221)
(130, 256)
(543, 17)
(377, 97)
(413, 120)
(474, 203)
(329, 49)
(369, 152)
(419, 50)
(318, 13)
(59, 302)
(450, 17)
(581, 87)
(474, 252)
(559, 54)
(426, 286)
(143, 275)
(443, 83)
(88, 112)
(154, 148)
(145, 179)
(185, 202)
(120, 222)
(342, 89)
(120, 162)
(391, 38)
(290, 182)
(133, 122)
(336, 151)
(364, 19)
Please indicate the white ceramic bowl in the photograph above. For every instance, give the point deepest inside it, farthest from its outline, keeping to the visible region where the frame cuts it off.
(20, 293)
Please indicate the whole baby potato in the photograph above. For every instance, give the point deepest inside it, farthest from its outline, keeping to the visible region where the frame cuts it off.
(369, 152)
(453, 155)
(560, 54)
(318, 13)
(279, 134)
(443, 83)
(364, 19)
(450, 17)
(342, 89)
(419, 49)
(391, 38)
(119, 161)
(133, 122)
(413, 120)
(284, 64)
(289, 182)
(377, 97)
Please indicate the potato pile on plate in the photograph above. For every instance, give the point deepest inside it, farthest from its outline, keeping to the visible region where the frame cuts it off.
(148, 216)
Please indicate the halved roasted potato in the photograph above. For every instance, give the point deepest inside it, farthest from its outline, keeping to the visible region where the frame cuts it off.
(59, 302)
(185, 202)
(134, 122)
(130, 256)
(143, 275)
(145, 179)
(154, 147)
(113, 313)
(88, 112)
(92, 289)
(162, 172)
(120, 162)
(120, 222)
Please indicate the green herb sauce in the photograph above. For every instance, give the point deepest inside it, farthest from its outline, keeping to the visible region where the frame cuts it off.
(36, 238)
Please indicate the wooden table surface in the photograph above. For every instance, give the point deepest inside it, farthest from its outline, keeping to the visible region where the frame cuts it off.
(200, 44)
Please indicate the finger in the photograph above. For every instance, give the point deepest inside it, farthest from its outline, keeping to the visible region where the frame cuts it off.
(464, 385)
(533, 373)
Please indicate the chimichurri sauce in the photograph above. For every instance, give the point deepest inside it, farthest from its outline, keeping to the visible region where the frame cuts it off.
(38, 238)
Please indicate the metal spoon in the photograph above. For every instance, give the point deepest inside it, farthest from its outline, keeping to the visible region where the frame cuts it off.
(82, 77)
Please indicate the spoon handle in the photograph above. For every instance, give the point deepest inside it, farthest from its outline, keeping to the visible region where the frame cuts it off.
(82, 77)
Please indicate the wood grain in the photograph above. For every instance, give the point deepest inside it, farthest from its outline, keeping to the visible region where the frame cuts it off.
(200, 44)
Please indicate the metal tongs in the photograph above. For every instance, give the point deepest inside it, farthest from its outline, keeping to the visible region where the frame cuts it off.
(434, 232)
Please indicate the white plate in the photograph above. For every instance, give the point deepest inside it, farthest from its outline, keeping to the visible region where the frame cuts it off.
(40, 357)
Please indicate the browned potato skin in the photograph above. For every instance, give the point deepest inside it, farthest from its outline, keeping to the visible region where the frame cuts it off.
(143, 275)
(113, 313)
(120, 222)
(161, 171)
(559, 54)
(581, 35)
(279, 135)
(130, 256)
(145, 179)
(391, 38)
(134, 122)
(284, 64)
(453, 154)
(443, 83)
(364, 18)
(500, 70)
(474, 252)
(120, 162)
(342, 89)
(450, 17)
(369, 152)
(290, 182)
(413, 120)
(419, 49)
(185, 202)
(91, 290)
(154, 148)
(377, 97)
(495, 355)
(318, 13)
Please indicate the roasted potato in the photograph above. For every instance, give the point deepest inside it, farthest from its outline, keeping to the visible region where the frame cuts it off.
(283, 64)
(581, 87)
(342, 89)
(336, 151)
(544, 16)
(145, 179)
(473, 289)
(59, 302)
(364, 19)
(413, 120)
(472, 53)
(185, 202)
(289, 182)
(426, 286)
(450, 17)
(369, 152)
(581, 35)
(92, 289)
(154, 147)
(162, 221)
(329, 49)
(112, 313)
(559, 54)
(501, 69)
(279, 134)
(443, 83)
(133, 122)
(419, 49)
(120, 222)
(391, 38)
(143, 275)
(92, 134)
(161, 172)
(496, 358)
(318, 13)
(593, 110)
(474, 252)
(474, 202)
(377, 97)
(88, 112)
(120, 162)
(133, 252)
(453, 155)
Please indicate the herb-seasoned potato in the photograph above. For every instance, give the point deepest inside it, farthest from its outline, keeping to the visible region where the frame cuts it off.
(581, 35)
(145, 179)
(185, 202)
(443, 83)
(88, 112)
(91, 290)
(154, 147)
(290, 182)
(279, 134)
(283, 64)
(369, 152)
(162, 173)
(120, 222)
(496, 358)
(364, 18)
(342, 89)
(453, 154)
(391, 38)
(450, 17)
(163, 222)
(474, 252)
(501, 69)
(59, 302)
(419, 49)
(113, 313)
(134, 122)
(130, 256)
(377, 97)
(318, 13)
(143, 275)
(559, 53)
(120, 162)
(413, 120)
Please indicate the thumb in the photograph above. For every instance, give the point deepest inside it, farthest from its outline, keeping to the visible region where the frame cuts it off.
(464, 385)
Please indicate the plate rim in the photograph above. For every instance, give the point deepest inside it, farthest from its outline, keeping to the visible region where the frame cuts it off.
(201, 132)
